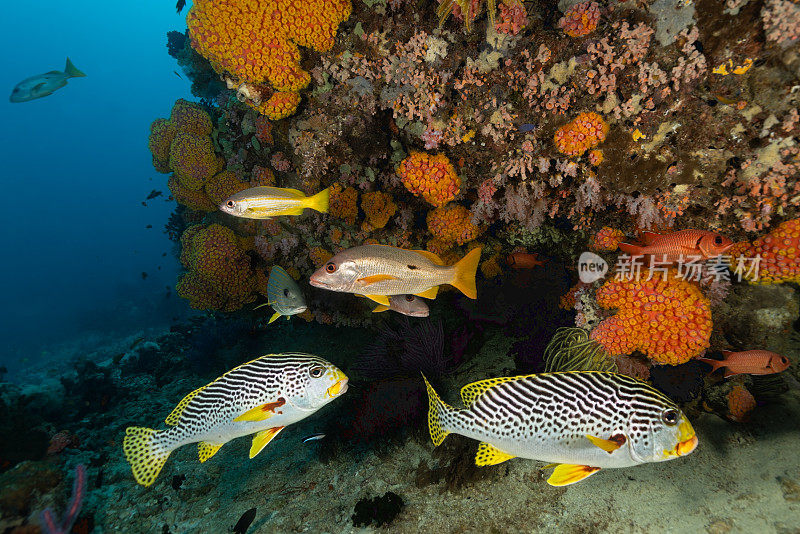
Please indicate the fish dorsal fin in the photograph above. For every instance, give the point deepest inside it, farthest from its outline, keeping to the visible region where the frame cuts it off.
(566, 474)
(649, 237)
(431, 256)
(380, 299)
(429, 293)
(261, 412)
(261, 440)
(470, 392)
(608, 445)
(175, 416)
(488, 454)
(294, 192)
(206, 450)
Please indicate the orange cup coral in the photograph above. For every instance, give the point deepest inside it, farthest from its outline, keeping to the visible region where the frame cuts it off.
(343, 203)
(779, 253)
(256, 43)
(431, 177)
(581, 19)
(452, 224)
(668, 320)
(378, 207)
(606, 238)
(740, 404)
(586, 131)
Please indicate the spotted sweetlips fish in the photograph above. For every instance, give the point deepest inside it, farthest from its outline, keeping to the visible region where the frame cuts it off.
(581, 421)
(260, 397)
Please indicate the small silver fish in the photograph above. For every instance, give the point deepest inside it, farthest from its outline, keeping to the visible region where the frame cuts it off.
(314, 437)
(259, 397)
(43, 84)
(284, 294)
(410, 305)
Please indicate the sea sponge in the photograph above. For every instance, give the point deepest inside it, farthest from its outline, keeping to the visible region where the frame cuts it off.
(162, 132)
(256, 43)
(606, 238)
(586, 131)
(262, 176)
(740, 404)
(431, 177)
(263, 130)
(220, 276)
(452, 224)
(581, 19)
(779, 252)
(194, 200)
(193, 159)
(378, 207)
(343, 203)
(667, 320)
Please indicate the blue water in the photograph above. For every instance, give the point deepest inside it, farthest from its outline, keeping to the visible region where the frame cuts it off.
(75, 169)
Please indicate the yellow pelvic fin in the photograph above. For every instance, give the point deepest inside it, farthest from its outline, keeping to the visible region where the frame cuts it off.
(206, 450)
(380, 308)
(435, 410)
(608, 445)
(319, 201)
(470, 392)
(375, 278)
(488, 454)
(144, 454)
(175, 416)
(261, 412)
(431, 256)
(261, 439)
(566, 474)
(429, 293)
(380, 299)
(464, 278)
(274, 317)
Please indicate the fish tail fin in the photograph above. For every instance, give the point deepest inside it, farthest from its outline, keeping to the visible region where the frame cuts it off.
(437, 409)
(72, 71)
(715, 364)
(466, 268)
(147, 451)
(632, 250)
(319, 201)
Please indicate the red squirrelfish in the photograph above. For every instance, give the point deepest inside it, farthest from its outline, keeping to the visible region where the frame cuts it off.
(682, 244)
(524, 260)
(751, 362)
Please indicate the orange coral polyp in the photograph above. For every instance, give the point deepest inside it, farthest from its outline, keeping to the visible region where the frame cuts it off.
(779, 253)
(231, 35)
(378, 207)
(586, 131)
(667, 320)
(431, 177)
(606, 238)
(452, 224)
(343, 203)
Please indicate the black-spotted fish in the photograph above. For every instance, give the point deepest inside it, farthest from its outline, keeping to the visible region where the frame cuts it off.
(264, 202)
(410, 305)
(381, 271)
(260, 397)
(581, 421)
(284, 294)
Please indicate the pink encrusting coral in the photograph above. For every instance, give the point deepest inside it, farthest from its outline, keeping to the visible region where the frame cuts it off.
(781, 20)
(581, 19)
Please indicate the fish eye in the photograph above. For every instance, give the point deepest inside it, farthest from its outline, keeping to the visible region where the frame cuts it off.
(670, 417)
(784, 359)
(330, 267)
(285, 292)
(409, 298)
(230, 203)
(316, 372)
(718, 240)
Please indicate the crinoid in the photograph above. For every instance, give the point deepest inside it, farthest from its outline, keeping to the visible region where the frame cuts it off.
(570, 349)
(469, 10)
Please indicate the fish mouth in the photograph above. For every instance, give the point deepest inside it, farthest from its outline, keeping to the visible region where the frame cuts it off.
(338, 388)
(319, 283)
(685, 447)
(687, 441)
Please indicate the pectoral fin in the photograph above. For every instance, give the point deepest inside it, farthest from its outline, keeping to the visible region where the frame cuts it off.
(206, 450)
(566, 474)
(274, 317)
(261, 439)
(608, 445)
(429, 293)
(367, 280)
(261, 412)
(488, 454)
(380, 299)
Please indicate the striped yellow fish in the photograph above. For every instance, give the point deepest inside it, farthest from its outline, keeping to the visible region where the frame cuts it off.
(260, 397)
(381, 271)
(284, 295)
(581, 421)
(265, 202)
